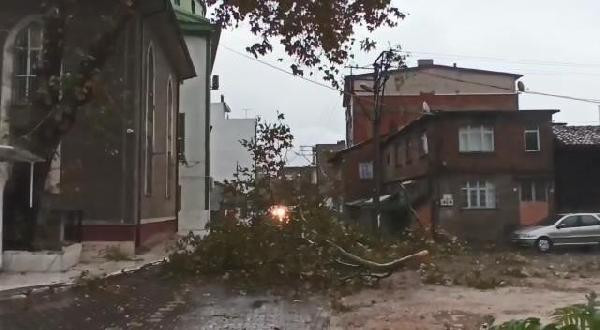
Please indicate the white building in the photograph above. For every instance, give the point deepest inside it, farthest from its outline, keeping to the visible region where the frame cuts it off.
(202, 39)
(225, 136)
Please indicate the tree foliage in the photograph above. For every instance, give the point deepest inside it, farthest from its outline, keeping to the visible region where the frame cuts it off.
(258, 182)
(316, 34)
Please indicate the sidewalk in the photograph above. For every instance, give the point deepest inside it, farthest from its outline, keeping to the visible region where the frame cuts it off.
(22, 283)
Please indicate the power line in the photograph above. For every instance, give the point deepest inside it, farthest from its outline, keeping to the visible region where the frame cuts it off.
(280, 69)
(568, 97)
(573, 98)
(501, 59)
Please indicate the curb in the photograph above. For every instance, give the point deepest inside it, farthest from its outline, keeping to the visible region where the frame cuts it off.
(27, 291)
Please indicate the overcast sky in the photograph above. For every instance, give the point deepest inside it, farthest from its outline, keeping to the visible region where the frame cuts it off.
(554, 44)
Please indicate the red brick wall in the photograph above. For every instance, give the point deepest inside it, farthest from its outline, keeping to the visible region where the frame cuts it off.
(509, 153)
(400, 110)
(533, 212)
(352, 186)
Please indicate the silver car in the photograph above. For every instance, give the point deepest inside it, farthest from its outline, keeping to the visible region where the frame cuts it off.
(562, 229)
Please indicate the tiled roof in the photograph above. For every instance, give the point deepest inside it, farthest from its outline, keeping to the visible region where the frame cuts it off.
(577, 135)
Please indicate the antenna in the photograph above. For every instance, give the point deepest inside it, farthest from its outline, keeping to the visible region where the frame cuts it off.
(246, 112)
(426, 108)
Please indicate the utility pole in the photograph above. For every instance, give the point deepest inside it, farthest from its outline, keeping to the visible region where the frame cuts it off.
(380, 77)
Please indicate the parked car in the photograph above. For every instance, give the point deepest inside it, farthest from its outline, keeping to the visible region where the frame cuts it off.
(562, 229)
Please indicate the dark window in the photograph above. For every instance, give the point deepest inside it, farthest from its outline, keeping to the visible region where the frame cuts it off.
(589, 220)
(389, 158)
(399, 154)
(149, 127)
(194, 6)
(534, 191)
(181, 137)
(532, 139)
(571, 221)
(407, 151)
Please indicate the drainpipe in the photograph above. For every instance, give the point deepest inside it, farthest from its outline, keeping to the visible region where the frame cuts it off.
(3, 178)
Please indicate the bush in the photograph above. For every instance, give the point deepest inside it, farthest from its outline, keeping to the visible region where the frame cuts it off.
(576, 317)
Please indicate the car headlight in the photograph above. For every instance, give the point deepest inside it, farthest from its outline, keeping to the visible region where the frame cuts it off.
(527, 236)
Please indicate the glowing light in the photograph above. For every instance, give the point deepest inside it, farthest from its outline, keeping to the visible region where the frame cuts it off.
(279, 212)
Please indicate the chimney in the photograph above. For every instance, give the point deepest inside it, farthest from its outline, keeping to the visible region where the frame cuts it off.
(222, 98)
(425, 62)
(214, 83)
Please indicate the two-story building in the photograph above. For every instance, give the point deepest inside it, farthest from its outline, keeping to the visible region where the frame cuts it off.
(118, 163)
(476, 174)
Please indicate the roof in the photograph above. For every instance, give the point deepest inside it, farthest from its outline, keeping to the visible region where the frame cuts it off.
(577, 135)
(193, 23)
(439, 66)
(10, 153)
(160, 15)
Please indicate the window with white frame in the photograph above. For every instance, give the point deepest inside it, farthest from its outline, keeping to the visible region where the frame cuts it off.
(28, 49)
(532, 139)
(170, 142)
(365, 170)
(479, 195)
(478, 138)
(149, 120)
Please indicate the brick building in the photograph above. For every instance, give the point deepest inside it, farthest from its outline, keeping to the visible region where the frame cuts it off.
(443, 88)
(477, 174)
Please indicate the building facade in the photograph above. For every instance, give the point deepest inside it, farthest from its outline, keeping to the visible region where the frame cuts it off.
(441, 87)
(202, 39)
(117, 165)
(226, 133)
(476, 174)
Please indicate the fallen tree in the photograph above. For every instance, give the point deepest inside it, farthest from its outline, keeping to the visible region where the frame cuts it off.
(315, 249)
(302, 241)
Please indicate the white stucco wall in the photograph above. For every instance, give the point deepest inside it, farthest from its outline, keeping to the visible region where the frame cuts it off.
(443, 81)
(226, 150)
(194, 213)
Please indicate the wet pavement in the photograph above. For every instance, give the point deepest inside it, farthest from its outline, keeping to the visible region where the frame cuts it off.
(144, 300)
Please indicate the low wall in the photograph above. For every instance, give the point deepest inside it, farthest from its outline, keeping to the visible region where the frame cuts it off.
(152, 233)
(42, 261)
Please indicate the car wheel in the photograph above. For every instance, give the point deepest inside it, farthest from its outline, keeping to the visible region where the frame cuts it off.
(543, 244)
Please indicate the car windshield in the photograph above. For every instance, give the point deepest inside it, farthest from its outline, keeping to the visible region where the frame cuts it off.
(551, 220)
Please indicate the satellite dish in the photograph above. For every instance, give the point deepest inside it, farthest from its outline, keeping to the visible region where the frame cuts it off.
(520, 86)
(426, 108)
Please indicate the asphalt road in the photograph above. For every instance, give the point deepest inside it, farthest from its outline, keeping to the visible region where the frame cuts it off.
(145, 301)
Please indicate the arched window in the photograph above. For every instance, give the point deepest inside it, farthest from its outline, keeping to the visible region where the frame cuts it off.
(149, 115)
(28, 48)
(170, 142)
